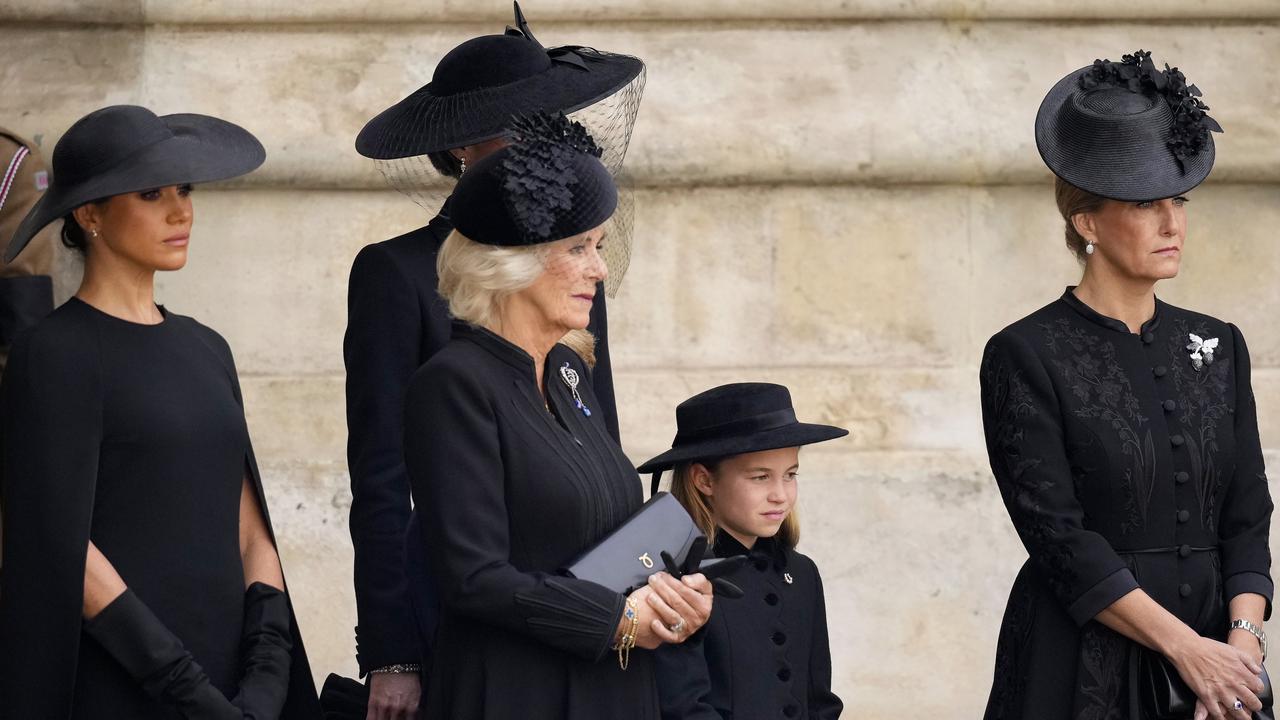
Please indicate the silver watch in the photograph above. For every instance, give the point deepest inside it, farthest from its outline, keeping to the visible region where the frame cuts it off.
(1252, 630)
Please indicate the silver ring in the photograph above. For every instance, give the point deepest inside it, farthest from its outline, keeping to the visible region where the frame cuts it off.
(678, 627)
(1239, 705)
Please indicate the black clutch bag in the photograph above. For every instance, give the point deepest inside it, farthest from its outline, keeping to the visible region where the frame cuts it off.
(1165, 696)
(626, 557)
(344, 699)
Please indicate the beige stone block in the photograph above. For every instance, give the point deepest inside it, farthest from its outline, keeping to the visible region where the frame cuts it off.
(499, 11)
(788, 276)
(309, 503)
(1020, 261)
(726, 103)
(913, 410)
(269, 270)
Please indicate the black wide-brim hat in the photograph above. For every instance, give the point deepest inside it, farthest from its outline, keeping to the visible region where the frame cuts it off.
(125, 148)
(480, 85)
(1114, 142)
(735, 419)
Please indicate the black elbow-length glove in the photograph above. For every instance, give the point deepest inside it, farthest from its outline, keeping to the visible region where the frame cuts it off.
(266, 646)
(156, 659)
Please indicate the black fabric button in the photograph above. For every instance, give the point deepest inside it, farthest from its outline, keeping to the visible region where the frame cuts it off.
(790, 710)
(779, 638)
(1185, 551)
(1182, 476)
(1177, 440)
(784, 674)
(771, 598)
(1148, 337)
(1160, 370)
(1184, 590)
(1184, 515)
(762, 564)
(1170, 406)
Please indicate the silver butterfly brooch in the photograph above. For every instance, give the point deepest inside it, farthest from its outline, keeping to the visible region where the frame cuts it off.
(1201, 351)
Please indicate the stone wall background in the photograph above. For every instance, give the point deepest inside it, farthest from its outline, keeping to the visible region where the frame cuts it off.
(841, 196)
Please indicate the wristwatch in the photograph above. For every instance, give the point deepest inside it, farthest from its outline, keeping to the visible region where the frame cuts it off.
(1252, 630)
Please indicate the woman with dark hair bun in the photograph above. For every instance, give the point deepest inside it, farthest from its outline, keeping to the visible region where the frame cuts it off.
(1123, 435)
(141, 578)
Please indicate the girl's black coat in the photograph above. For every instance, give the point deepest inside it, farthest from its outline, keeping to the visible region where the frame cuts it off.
(132, 436)
(396, 320)
(764, 655)
(509, 491)
(1122, 467)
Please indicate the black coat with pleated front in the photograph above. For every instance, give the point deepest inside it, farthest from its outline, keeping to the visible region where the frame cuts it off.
(396, 320)
(509, 490)
(1122, 466)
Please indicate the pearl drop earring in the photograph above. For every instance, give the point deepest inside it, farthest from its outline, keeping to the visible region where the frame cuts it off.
(1088, 249)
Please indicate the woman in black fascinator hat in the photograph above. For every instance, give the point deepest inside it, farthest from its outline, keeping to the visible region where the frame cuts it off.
(514, 472)
(396, 320)
(1123, 435)
(141, 577)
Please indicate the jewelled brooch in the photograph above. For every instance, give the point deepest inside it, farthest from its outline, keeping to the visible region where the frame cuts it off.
(1201, 351)
(570, 377)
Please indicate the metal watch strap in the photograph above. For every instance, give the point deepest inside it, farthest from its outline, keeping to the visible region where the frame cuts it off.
(397, 669)
(1252, 630)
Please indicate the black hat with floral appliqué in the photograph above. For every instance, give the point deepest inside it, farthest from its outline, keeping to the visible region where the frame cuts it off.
(1127, 130)
(548, 185)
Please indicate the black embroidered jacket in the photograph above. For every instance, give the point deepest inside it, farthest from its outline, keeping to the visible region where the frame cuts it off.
(1125, 460)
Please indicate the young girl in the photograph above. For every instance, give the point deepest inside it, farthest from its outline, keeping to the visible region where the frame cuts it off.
(765, 655)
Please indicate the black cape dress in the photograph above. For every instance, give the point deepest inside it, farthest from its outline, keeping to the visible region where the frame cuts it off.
(762, 656)
(396, 320)
(1122, 466)
(132, 436)
(509, 492)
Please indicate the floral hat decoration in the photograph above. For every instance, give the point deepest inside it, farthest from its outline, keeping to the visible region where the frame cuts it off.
(1127, 130)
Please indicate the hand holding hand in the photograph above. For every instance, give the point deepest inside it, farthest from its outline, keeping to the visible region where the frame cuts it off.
(1219, 674)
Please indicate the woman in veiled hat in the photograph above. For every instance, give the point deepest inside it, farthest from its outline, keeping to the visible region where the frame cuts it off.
(141, 578)
(396, 319)
(514, 471)
(1123, 435)
(736, 462)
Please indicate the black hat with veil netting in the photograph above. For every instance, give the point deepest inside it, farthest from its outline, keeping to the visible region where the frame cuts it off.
(476, 91)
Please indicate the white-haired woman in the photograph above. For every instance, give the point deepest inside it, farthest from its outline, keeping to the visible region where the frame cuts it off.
(512, 467)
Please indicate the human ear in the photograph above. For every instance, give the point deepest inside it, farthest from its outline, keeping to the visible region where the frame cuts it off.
(702, 479)
(89, 216)
(1086, 224)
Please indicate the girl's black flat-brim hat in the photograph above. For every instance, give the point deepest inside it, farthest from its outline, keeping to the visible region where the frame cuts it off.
(1126, 131)
(126, 148)
(481, 84)
(736, 419)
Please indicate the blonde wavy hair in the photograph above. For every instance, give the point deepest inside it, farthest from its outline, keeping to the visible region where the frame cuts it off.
(699, 507)
(476, 278)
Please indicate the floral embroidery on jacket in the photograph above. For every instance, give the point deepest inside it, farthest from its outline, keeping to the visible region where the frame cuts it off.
(1103, 657)
(1092, 371)
(1010, 402)
(1202, 406)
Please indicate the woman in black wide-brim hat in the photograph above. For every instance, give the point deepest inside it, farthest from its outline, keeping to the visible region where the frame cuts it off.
(141, 578)
(396, 319)
(514, 471)
(1122, 432)
(736, 458)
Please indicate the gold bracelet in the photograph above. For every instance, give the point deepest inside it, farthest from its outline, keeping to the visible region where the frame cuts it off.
(628, 640)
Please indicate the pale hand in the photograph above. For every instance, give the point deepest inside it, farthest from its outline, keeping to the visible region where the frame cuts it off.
(394, 696)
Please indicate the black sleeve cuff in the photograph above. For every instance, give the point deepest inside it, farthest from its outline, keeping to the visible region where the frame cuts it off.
(577, 616)
(1250, 582)
(1100, 596)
